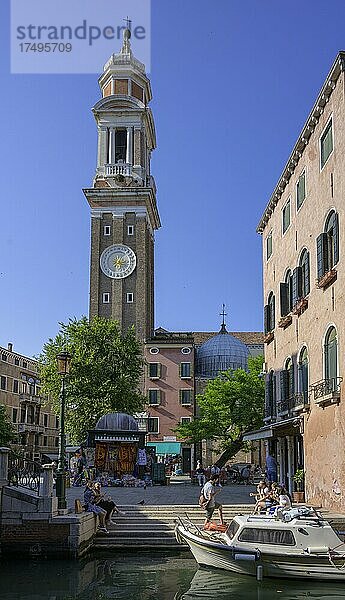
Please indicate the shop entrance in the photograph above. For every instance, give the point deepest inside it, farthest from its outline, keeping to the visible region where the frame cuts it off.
(186, 460)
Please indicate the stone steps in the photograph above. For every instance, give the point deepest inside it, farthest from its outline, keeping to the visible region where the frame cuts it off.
(153, 526)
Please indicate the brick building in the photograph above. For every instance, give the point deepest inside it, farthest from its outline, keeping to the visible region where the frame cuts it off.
(303, 233)
(37, 426)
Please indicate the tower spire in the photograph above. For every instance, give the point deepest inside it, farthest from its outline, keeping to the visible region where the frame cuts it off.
(223, 314)
(126, 46)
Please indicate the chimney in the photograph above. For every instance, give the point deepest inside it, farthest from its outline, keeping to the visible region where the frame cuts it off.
(10, 347)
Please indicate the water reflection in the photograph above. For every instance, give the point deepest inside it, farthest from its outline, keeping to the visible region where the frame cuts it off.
(141, 576)
(222, 585)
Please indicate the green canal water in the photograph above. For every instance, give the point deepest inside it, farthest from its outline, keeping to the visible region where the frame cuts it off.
(143, 576)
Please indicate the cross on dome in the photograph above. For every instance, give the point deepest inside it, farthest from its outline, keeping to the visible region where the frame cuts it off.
(223, 314)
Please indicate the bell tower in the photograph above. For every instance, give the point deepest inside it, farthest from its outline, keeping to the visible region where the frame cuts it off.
(124, 212)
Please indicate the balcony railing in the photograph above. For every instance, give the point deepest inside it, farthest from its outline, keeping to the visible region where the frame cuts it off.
(327, 390)
(298, 401)
(123, 169)
(29, 398)
(30, 428)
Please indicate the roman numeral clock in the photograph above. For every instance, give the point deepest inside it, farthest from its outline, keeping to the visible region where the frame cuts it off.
(124, 214)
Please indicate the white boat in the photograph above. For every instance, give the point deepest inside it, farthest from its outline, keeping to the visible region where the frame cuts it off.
(296, 543)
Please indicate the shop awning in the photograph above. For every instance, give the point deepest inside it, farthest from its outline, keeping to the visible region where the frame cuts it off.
(276, 429)
(166, 447)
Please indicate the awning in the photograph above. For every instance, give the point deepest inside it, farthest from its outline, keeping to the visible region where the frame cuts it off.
(49, 456)
(166, 447)
(264, 433)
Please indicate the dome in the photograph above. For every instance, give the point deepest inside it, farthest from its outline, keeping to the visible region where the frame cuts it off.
(220, 353)
(117, 422)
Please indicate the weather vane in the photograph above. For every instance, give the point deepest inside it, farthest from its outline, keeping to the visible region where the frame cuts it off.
(128, 23)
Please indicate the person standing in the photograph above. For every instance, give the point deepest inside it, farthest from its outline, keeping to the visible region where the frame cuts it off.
(200, 473)
(271, 468)
(210, 489)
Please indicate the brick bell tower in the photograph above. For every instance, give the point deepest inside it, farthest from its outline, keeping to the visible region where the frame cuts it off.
(124, 212)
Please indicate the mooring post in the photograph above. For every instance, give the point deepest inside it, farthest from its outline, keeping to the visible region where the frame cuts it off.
(47, 483)
(4, 452)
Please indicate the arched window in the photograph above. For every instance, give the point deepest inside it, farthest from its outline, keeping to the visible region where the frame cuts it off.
(286, 295)
(328, 245)
(331, 354)
(269, 313)
(304, 273)
(303, 374)
(287, 384)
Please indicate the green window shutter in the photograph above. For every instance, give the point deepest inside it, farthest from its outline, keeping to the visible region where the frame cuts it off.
(306, 275)
(284, 300)
(159, 369)
(336, 239)
(158, 396)
(326, 143)
(321, 251)
(291, 375)
(266, 313)
(301, 190)
(283, 385)
(272, 313)
(296, 285)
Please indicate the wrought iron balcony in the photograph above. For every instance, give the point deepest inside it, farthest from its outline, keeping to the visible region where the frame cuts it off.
(29, 428)
(119, 168)
(29, 398)
(297, 402)
(270, 412)
(327, 391)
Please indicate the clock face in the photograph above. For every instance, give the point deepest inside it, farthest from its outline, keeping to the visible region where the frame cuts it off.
(118, 261)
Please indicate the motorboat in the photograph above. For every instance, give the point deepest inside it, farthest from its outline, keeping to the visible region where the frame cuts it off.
(295, 543)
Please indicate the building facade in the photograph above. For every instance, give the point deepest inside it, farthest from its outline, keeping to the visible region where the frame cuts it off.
(124, 212)
(35, 423)
(303, 233)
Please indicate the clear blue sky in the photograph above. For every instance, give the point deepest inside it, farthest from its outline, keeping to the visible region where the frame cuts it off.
(233, 83)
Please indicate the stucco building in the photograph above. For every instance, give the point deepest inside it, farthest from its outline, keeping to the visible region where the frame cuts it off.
(35, 423)
(303, 233)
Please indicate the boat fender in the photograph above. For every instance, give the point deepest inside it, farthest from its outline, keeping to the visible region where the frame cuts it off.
(242, 556)
(318, 549)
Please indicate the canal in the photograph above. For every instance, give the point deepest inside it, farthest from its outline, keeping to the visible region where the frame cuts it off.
(144, 576)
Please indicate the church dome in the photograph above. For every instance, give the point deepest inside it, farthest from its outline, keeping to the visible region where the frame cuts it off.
(117, 422)
(220, 353)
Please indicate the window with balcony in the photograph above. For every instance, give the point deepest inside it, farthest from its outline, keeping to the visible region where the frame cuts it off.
(154, 397)
(154, 370)
(269, 317)
(331, 354)
(326, 143)
(153, 425)
(286, 216)
(300, 190)
(185, 370)
(287, 386)
(185, 397)
(327, 245)
(120, 145)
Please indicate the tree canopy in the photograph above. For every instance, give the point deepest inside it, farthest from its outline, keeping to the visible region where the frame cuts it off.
(231, 405)
(7, 432)
(105, 373)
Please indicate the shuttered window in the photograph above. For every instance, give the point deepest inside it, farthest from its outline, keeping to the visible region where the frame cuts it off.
(185, 397)
(269, 314)
(153, 425)
(305, 273)
(296, 285)
(300, 190)
(303, 374)
(154, 370)
(269, 246)
(331, 354)
(326, 144)
(327, 245)
(286, 216)
(154, 397)
(185, 370)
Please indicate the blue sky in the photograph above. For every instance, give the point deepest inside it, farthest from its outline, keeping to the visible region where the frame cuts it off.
(233, 83)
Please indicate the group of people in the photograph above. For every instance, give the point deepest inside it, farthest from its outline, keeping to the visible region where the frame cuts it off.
(270, 497)
(203, 475)
(99, 504)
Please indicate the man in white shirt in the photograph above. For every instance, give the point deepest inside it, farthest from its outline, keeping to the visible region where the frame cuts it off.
(211, 488)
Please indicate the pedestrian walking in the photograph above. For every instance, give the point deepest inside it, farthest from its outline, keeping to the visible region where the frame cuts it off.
(210, 490)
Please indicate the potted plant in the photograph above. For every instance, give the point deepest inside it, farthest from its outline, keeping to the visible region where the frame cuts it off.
(298, 495)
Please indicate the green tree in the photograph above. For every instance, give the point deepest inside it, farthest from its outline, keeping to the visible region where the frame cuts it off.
(230, 406)
(105, 373)
(7, 433)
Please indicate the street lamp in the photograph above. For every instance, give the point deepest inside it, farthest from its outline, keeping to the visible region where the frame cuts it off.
(63, 364)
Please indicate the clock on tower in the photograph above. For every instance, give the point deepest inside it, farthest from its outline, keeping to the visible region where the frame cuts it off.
(124, 212)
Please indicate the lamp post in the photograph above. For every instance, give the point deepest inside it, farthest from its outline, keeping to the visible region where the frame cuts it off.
(63, 363)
